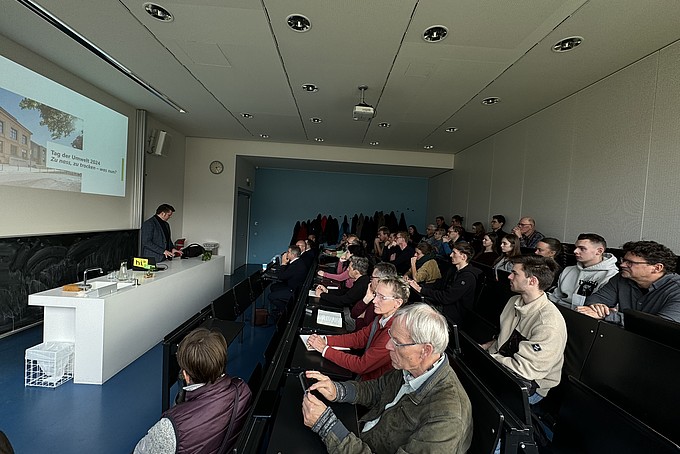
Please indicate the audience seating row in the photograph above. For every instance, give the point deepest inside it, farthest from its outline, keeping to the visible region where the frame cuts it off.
(605, 366)
(257, 430)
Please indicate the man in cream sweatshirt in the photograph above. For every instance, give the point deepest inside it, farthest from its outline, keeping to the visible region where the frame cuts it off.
(533, 333)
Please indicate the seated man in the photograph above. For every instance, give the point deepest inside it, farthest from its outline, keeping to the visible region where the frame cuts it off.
(533, 333)
(497, 223)
(593, 269)
(306, 254)
(526, 231)
(431, 413)
(647, 282)
(379, 242)
(215, 405)
(400, 256)
(429, 234)
(459, 292)
(347, 297)
(290, 277)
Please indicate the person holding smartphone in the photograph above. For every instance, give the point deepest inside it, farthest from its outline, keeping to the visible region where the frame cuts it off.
(423, 387)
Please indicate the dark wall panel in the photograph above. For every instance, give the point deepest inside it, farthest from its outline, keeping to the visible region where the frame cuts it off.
(33, 264)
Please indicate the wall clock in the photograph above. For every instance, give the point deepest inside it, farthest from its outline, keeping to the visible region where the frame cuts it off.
(216, 167)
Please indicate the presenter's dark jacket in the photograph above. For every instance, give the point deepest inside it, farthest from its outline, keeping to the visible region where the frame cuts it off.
(154, 241)
(437, 418)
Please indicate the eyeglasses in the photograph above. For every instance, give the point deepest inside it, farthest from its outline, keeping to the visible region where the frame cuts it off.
(523, 225)
(378, 296)
(623, 261)
(397, 344)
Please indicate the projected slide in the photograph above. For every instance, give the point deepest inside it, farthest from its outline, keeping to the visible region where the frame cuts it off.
(54, 138)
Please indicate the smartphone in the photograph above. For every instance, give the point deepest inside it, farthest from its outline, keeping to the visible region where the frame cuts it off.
(306, 383)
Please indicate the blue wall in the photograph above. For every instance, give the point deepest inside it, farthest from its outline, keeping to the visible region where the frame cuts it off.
(283, 197)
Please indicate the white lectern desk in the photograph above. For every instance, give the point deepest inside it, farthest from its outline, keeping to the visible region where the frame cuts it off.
(112, 331)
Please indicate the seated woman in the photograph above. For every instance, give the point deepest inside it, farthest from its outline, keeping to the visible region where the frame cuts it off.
(549, 247)
(552, 248)
(509, 249)
(390, 294)
(488, 255)
(415, 236)
(478, 233)
(460, 293)
(220, 402)
(342, 275)
(346, 297)
(362, 314)
(424, 268)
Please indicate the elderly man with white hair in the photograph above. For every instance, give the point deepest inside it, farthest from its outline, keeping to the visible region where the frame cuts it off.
(420, 406)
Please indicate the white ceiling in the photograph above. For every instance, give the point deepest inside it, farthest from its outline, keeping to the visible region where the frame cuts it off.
(220, 58)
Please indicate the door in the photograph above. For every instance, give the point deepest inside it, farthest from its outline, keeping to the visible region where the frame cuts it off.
(242, 229)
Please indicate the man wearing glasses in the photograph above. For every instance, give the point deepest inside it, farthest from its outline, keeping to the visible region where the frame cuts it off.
(526, 231)
(419, 407)
(647, 282)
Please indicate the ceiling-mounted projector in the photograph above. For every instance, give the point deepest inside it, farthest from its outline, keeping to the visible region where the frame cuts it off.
(363, 111)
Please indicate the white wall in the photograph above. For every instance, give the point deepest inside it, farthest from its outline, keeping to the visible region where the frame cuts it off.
(164, 177)
(209, 199)
(604, 160)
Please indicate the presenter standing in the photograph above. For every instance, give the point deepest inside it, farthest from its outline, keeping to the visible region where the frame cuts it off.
(156, 239)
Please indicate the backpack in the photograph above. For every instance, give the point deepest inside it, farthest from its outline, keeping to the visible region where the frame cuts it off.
(193, 250)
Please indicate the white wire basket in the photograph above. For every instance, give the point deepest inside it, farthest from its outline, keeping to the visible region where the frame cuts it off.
(49, 364)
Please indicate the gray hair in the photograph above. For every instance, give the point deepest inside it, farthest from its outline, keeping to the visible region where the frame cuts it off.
(425, 325)
(383, 270)
(359, 264)
(398, 286)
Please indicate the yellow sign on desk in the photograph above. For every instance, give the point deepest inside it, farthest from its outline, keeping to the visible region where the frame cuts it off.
(141, 263)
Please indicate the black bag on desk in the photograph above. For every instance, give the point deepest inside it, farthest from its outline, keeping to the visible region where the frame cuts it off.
(193, 250)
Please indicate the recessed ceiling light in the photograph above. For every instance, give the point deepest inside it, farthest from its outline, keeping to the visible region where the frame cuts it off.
(264, 136)
(567, 44)
(310, 88)
(318, 139)
(428, 147)
(384, 124)
(246, 115)
(298, 22)
(158, 12)
(491, 100)
(315, 120)
(374, 143)
(451, 129)
(435, 33)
